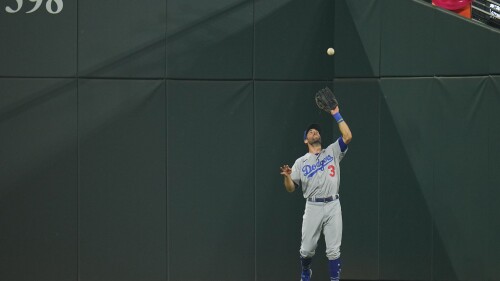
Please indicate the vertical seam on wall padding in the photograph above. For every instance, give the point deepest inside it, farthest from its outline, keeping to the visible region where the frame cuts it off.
(77, 180)
(166, 45)
(431, 204)
(334, 23)
(333, 40)
(379, 132)
(378, 177)
(77, 74)
(253, 45)
(255, 183)
(166, 178)
(493, 86)
(254, 147)
(77, 145)
(165, 80)
(380, 40)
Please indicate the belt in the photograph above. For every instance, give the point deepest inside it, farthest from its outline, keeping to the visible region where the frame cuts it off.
(326, 199)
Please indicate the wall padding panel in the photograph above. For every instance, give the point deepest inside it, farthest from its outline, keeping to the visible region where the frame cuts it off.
(493, 42)
(210, 164)
(122, 193)
(407, 38)
(357, 38)
(493, 192)
(461, 178)
(38, 175)
(458, 47)
(121, 39)
(210, 39)
(38, 44)
(406, 178)
(291, 39)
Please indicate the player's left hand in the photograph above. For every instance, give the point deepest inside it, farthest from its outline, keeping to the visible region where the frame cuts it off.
(285, 170)
(335, 110)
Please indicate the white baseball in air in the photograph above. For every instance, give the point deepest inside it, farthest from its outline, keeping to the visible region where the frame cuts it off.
(330, 51)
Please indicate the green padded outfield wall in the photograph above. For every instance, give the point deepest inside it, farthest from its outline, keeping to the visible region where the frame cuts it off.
(142, 141)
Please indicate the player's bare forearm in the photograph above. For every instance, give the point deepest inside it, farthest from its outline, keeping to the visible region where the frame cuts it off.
(287, 179)
(343, 127)
(289, 185)
(346, 132)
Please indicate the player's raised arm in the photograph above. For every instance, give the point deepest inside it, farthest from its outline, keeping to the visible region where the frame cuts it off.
(326, 100)
(287, 179)
(344, 129)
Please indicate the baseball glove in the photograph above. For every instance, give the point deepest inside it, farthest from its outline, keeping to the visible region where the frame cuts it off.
(326, 100)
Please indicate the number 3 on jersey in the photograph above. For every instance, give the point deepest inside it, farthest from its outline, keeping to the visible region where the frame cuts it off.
(332, 170)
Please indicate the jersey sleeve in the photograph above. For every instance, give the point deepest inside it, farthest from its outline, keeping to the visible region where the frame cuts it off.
(339, 149)
(296, 172)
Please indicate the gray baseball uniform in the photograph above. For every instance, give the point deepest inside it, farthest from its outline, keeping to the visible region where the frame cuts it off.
(319, 177)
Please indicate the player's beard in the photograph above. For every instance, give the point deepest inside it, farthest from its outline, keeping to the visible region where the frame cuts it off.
(315, 142)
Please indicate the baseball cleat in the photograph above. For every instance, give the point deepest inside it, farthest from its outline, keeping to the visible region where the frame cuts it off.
(306, 275)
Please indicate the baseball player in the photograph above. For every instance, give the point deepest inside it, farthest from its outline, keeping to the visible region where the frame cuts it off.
(318, 174)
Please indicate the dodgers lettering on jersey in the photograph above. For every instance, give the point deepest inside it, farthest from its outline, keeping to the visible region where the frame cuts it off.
(310, 170)
(319, 174)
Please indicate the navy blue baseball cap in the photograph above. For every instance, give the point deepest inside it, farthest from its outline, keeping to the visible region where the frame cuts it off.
(312, 126)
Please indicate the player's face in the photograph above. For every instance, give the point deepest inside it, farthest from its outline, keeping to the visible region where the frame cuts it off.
(313, 136)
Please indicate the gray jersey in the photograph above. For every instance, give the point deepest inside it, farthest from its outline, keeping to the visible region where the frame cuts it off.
(319, 174)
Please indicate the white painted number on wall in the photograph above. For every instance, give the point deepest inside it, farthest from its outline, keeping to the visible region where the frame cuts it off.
(52, 6)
